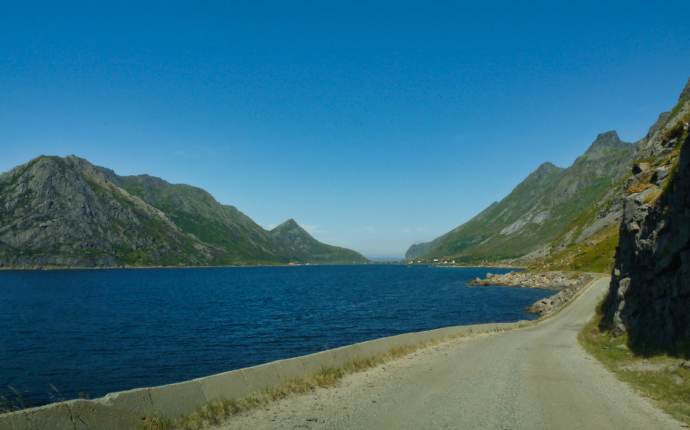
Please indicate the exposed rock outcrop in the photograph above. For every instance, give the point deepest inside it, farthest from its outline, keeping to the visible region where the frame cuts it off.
(649, 298)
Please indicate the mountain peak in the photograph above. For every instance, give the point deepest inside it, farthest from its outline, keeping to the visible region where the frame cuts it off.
(71, 161)
(290, 223)
(604, 145)
(544, 171)
(547, 167)
(299, 244)
(607, 138)
(44, 159)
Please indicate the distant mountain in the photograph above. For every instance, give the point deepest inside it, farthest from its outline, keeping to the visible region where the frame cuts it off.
(294, 242)
(551, 208)
(67, 212)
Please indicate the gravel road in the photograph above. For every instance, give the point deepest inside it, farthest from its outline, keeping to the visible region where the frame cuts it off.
(532, 378)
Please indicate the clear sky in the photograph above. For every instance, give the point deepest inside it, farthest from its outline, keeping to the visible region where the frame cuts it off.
(374, 124)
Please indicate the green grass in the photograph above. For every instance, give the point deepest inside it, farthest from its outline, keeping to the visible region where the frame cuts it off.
(596, 257)
(659, 377)
(218, 411)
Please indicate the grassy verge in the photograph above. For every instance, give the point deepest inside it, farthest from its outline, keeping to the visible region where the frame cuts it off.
(218, 411)
(664, 379)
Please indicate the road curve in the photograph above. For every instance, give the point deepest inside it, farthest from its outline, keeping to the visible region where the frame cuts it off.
(533, 378)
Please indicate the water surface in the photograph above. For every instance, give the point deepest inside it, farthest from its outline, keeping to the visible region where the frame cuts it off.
(69, 333)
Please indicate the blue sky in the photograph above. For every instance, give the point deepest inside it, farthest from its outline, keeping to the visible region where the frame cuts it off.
(374, 124)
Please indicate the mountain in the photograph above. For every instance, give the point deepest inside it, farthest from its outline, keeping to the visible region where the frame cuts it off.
(67, 212)
(551, 209)
(298, 245)
(649, 296)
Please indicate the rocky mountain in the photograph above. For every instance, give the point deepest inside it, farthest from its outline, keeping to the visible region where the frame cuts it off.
(649, 295)
(552, 209)
(67, 212)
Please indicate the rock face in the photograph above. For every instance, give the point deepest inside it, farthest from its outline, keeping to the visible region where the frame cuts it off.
(649, 296)
(67, 212)
(552, 207)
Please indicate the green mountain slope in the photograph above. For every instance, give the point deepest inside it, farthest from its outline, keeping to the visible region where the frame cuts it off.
(569, 219)
(66, 212)
(296, 243)
(198, 214)
(543, 211)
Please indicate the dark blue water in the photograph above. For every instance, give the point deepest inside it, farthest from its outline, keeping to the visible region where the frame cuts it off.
(63, 333)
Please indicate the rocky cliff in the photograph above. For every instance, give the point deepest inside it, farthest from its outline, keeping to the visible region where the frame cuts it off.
(649, 296)
(67, 212)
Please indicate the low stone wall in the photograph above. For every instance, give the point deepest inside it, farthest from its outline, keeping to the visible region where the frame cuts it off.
(131, 409)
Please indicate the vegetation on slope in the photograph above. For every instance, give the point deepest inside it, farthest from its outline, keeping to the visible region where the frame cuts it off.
(568, 219)
(594, 255)
(540, 210)
(57, 212)
(298, 245)
(198, 214)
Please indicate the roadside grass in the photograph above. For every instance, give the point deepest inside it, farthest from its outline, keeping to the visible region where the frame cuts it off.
(218, 411)
(664, 379)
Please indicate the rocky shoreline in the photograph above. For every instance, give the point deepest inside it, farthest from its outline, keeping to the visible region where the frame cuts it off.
(566, 284)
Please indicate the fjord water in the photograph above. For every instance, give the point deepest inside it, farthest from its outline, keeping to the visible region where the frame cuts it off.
(65, 334)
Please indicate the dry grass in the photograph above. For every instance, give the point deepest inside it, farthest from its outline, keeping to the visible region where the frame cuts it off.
(639, 187)
(664, 379)
(218, 411)
(654, 196)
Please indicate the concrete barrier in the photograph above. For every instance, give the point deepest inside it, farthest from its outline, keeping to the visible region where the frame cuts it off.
(218, 386)
(131, 409)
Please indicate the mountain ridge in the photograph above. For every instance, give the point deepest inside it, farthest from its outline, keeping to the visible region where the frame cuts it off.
(586, 199)
(65, 211)
(537, 210)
